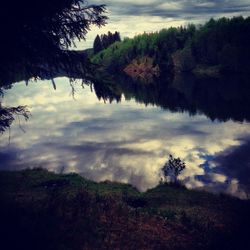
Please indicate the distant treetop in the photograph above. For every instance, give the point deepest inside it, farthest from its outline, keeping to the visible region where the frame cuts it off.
(104, 41)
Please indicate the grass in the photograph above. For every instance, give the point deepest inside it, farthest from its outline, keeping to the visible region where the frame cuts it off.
(43, 210)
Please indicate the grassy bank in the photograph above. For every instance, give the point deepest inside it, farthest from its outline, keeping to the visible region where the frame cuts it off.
(44, 210)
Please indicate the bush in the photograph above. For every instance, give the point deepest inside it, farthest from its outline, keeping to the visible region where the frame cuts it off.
(172, 169)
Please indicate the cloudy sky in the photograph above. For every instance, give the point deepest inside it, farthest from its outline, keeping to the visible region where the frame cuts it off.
(132, 17)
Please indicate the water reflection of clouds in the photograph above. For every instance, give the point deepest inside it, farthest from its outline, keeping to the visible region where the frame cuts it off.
(122, 142)
(235, 163)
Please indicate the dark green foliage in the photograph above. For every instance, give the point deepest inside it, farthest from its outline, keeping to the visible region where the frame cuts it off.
(223, 42)
(55, 25)
(35, 35)
(183, 60)
(160, 46)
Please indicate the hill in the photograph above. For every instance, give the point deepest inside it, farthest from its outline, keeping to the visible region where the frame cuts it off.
(219, 45)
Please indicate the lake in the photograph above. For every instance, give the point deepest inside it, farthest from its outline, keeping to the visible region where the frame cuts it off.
(125, 130)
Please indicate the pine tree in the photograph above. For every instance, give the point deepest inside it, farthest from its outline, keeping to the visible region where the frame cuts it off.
(117, 37)
(97, 44)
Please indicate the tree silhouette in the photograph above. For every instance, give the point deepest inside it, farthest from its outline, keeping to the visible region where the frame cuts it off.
(117, 37)
(97, 44)
(172, 169)
(8, 114)
(36, 33)
(105, 40)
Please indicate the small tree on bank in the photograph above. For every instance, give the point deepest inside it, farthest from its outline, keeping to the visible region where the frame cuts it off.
(172, 169)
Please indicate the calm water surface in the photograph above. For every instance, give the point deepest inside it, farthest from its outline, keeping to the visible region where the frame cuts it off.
(126, 141)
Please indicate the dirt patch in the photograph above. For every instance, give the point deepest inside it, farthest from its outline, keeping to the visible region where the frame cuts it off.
(143, 68)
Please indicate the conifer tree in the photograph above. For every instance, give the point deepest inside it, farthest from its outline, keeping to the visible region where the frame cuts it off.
(97, 44)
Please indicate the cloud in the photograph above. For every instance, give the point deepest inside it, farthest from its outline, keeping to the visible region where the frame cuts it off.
(177, 8)
(235, 163)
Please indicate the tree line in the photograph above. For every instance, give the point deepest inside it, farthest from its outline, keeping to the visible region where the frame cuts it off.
(224, 43)
(104, 41)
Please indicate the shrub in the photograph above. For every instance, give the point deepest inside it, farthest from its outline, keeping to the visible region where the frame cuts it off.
(172, 169)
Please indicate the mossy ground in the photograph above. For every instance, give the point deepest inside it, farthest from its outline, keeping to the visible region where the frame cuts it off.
(44, 210)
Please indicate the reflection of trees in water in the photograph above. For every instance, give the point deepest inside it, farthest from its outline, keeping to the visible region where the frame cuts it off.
(107, 91)
(222, 98)
(8, 115)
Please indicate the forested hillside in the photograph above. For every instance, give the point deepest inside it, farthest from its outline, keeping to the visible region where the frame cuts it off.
(224, 43)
